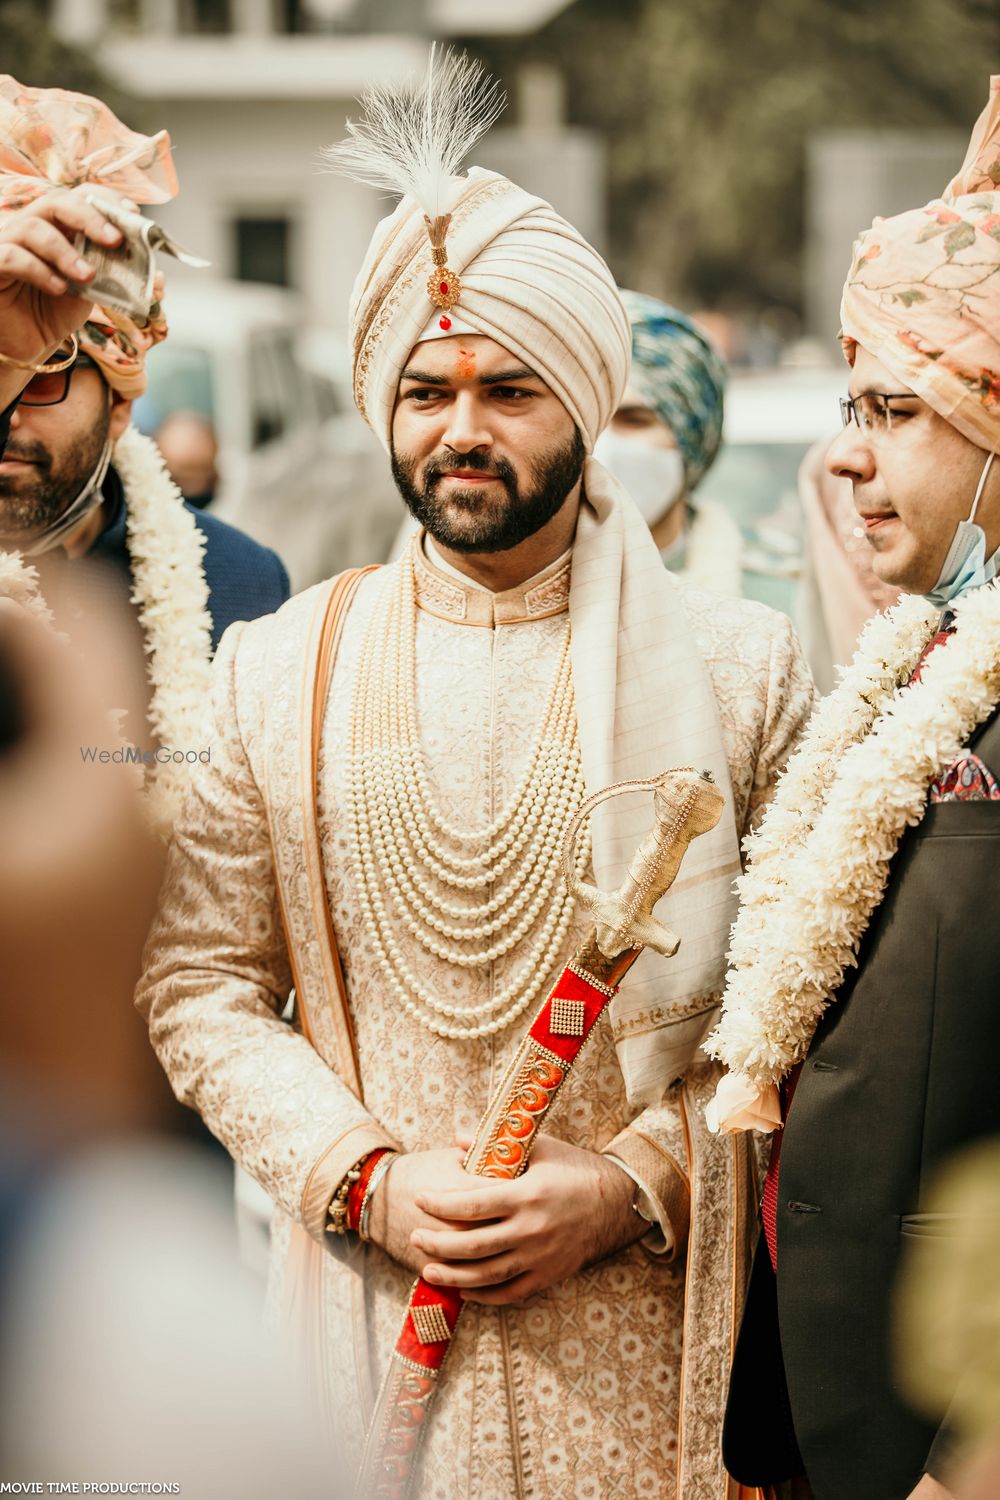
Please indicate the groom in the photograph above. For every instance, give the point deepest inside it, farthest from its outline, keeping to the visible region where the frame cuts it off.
(902, 763)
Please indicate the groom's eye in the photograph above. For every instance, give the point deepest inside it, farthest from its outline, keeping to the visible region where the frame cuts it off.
(423, 395)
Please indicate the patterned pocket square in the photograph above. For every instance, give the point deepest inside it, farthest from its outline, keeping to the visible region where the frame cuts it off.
(967, 779)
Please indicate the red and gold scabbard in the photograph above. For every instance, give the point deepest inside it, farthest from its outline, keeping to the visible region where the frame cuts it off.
(686, 803)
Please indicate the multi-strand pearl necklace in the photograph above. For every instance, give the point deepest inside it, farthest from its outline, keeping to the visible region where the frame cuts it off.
(410, 861)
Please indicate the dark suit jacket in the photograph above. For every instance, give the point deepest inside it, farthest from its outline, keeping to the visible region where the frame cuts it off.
(900, 1074)
(245, 580)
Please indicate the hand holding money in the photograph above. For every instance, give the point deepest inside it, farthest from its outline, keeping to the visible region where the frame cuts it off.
(125, 277)
(38, 265)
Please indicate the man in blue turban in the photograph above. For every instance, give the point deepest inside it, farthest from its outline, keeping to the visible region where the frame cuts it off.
(664, 438)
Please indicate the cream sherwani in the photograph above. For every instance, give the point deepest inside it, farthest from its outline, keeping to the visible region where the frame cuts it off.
(576, 1392)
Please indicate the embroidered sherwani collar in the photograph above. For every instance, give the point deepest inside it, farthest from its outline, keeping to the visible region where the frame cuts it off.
(449, 596)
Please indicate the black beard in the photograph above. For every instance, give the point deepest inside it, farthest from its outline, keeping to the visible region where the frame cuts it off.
(31, 500)
(475, 520)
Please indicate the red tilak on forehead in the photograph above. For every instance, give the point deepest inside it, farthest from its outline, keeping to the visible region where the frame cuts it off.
(466, 366)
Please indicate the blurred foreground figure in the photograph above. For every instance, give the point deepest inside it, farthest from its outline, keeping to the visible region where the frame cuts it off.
(190, 451)
(130, 1349)
(949, 1315)
(862, 1008)
(77, 479)
(840, 590)
(663, 439)
(398, 756)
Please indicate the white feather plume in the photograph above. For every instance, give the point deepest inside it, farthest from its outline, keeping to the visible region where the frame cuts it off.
(415, 135)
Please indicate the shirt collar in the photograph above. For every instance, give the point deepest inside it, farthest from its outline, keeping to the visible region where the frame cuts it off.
(445, 592)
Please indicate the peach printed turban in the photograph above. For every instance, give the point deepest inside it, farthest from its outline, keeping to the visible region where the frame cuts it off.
(923, 293)
(529, 280)
(51, 138)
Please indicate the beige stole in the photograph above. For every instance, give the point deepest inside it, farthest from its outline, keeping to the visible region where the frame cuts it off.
(645, 704)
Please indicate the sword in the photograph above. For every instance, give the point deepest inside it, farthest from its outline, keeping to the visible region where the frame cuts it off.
(686, 803)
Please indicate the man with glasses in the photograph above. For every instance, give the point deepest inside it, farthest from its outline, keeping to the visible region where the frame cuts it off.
(59, 487)
(861, 1017)
(75, 477)
(38, 314)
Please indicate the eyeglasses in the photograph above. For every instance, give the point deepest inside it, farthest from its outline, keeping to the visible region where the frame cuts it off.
(871, 410)
(51, 390)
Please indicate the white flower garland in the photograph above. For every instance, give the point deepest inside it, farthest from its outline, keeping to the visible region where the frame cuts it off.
(166, 547)
(820, 861)
(19, 584)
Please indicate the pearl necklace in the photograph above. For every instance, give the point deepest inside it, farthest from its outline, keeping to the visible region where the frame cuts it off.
(408, 857)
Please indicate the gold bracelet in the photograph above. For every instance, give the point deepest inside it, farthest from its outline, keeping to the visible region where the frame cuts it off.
(338, 1203)
(51, 367)
(382, 1166)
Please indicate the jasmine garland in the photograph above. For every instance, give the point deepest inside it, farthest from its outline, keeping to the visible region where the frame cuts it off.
(819, 863)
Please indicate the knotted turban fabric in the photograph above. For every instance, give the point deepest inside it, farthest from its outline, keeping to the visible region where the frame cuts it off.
(529, 281)
(923, 294)
(52, 138)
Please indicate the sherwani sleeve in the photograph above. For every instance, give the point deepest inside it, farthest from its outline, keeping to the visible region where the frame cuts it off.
(217, 978)
(652, 1147)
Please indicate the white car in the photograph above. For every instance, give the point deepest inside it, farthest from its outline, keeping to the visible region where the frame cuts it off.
(299, 470)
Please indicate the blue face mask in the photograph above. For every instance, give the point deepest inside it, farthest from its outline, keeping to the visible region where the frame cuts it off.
(966, 565)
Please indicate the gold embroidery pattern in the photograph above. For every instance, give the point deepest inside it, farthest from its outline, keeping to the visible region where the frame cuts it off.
(663, 1015)
(510, 1142)
(430, 1323)
(439, 596)
(549, 596)
(597, 984)
(569, 1017)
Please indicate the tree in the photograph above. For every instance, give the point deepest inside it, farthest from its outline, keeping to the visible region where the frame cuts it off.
(706, 110)
(35, 57)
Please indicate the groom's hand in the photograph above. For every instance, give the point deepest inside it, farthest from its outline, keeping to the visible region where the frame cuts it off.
(500, 1241)
(395, 1217)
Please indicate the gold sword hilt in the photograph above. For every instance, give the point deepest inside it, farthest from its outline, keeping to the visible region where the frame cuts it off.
(686, 803)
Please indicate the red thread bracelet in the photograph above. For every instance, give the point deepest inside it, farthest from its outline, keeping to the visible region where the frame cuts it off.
(359, 1189)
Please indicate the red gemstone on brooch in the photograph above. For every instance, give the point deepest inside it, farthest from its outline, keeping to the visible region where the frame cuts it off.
(444, 323)
(444, 288)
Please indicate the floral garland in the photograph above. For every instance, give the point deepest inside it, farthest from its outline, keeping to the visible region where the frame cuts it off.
(19, 584)
(166, 547)
(169, 588)
(819, 864)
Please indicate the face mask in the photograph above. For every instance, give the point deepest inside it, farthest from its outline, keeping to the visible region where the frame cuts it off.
(654, 477)
(87, 501)
(966, 566)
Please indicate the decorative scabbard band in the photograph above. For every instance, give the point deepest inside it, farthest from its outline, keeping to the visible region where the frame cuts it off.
(501, 1148)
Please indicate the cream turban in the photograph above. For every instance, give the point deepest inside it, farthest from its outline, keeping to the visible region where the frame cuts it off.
(923, 294)
(529, 280)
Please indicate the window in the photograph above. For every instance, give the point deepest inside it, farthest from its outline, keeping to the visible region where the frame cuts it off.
(279, 398)
(263, 249)
(205, 17)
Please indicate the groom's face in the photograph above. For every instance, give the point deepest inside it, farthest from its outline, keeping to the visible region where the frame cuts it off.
(483, 452)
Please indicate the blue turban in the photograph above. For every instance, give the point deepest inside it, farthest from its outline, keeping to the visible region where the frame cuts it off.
(682, 377)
